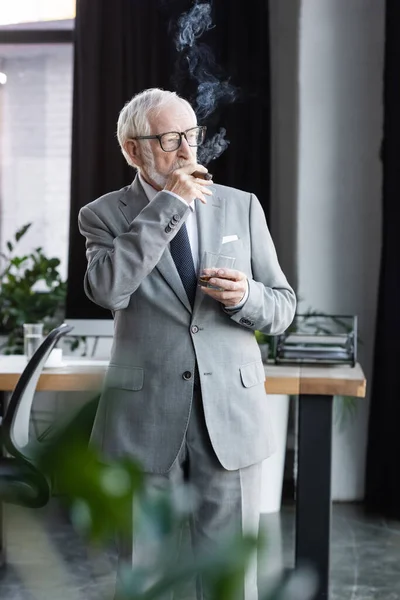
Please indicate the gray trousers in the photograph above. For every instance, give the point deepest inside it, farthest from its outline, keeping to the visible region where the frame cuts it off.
(227, 500)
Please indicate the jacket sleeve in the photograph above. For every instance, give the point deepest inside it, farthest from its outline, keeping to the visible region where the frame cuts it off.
(118, 265)
(271, 303)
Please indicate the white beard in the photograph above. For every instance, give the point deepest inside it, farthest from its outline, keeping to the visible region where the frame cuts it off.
(159, 179)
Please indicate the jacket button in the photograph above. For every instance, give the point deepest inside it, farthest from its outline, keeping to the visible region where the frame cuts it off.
(187, 375)
(176, 218)
(194, 329)
(168, 229)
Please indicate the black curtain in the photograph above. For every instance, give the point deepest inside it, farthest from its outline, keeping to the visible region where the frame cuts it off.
(383, 472)
(125, 46)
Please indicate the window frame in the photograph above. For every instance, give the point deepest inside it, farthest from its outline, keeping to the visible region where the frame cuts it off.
(36, 36)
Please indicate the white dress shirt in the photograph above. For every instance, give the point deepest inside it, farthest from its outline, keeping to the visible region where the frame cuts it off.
(193, 234)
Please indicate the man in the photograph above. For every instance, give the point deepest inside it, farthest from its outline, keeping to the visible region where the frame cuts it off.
(184, 392)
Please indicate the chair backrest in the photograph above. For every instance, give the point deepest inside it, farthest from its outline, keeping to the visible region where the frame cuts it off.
(15, 424)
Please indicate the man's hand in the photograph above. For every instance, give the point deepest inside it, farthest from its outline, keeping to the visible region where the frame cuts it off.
(232, 282)
(182, 183)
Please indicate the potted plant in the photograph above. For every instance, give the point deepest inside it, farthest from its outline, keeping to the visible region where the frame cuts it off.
(31, 291)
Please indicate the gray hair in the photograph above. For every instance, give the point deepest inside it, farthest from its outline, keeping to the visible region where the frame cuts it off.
(133, 118)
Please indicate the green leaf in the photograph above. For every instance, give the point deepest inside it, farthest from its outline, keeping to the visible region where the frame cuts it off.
(262, 338)
(54, 262)
(18, 260)
(10, 246)
(21, 232)
(345, 410)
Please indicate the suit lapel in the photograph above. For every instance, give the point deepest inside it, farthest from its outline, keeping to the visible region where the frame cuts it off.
(210, 223)
(131, 203)
(133, 200)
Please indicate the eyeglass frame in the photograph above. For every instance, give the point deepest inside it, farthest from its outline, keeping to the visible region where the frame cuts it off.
(180, 133)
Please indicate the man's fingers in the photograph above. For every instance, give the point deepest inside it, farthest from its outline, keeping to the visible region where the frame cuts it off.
(183, 184)
(226, 284)
(202, 194)
(232, 274)
(222, 296)
(219, 294)
(203, 182)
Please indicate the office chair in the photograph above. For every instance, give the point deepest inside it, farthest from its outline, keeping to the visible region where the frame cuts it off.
(20, 481)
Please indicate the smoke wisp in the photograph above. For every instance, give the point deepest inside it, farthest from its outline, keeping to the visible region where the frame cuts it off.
(213, 148)
(212, 88)
(193, 24)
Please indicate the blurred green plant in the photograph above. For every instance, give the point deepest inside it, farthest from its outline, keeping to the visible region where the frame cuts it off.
(31, 291)
(77, 343)
(100, 498)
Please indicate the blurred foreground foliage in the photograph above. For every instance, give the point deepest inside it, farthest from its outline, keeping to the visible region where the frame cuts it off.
(100, 498)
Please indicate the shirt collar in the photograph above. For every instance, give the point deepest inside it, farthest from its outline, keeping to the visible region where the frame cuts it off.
(152, 192)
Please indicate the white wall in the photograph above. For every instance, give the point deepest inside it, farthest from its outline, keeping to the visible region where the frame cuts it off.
(339, 183)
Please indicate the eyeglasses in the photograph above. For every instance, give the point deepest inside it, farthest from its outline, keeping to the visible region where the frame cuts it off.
(171, 140)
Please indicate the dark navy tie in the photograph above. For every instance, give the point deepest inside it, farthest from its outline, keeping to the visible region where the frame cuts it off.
(182, 255)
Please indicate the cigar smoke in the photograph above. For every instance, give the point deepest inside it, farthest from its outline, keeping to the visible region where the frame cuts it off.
(192, 25)
(212, 89)
(213, 148)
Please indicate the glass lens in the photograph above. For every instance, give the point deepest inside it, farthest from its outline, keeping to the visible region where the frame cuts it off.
(195, 136)
(170, 141)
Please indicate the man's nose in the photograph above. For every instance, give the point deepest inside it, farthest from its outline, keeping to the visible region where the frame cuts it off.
(184, 149)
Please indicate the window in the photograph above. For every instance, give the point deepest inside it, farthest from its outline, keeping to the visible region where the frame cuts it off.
(36, 124)
(35, 145)
(30, 11)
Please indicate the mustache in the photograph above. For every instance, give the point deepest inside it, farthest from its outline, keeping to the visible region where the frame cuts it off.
(178, 164)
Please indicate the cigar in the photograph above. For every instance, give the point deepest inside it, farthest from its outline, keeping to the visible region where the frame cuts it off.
(202, 175)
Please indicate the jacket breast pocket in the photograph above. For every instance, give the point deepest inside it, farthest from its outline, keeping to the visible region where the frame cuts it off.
(252, 373)
(232, 248)
(124, 378)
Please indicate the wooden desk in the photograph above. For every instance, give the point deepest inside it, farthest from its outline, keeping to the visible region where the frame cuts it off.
(87, 374)
(316, 388)
(79, 374)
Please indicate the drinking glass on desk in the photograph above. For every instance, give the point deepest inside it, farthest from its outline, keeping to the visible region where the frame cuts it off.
(33, 337)
(214, 261)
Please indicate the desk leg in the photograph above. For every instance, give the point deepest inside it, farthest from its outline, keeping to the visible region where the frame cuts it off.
(3, 400)
(313, 493)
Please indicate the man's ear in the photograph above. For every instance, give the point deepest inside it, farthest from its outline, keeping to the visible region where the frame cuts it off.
(132, 148)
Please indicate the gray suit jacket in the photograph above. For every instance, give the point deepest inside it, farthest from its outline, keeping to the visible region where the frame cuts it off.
(145, 405)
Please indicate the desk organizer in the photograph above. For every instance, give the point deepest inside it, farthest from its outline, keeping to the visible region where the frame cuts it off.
(318, 339)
